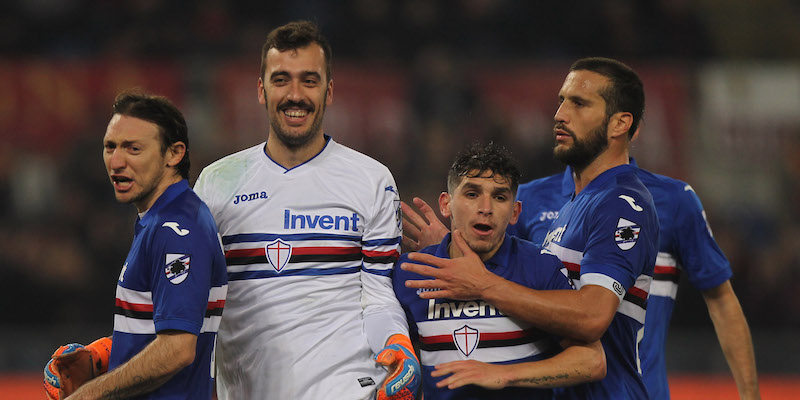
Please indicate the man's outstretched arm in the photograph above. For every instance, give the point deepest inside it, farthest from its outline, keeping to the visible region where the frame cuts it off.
(580, 314)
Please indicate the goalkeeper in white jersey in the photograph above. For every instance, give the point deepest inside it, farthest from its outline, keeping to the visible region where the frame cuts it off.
(311, 230)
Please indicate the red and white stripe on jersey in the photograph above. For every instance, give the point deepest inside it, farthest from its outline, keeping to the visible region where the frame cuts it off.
(632, 302)
(499, 340)
(666, 275)
(134, 311)
(321, 254)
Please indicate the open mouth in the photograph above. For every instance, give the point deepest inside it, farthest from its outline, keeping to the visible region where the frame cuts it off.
(295, 113)
(482, 228)
(121, 182)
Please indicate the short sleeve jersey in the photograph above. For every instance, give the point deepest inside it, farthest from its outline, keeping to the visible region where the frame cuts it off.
(310, 251)
(686, 245)
(450, 330)
(174, 278)
(607, 235)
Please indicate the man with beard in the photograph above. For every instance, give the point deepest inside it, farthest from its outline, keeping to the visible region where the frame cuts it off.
(686, 245)
(606, 235)
(311, 230)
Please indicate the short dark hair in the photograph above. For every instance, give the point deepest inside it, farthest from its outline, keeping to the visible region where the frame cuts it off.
(479, 158)
(296, 35)
(626, 92)
(160, 111)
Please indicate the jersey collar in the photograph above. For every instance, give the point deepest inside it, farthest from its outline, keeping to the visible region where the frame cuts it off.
(568, 184)
(286, 170)
(170, 194)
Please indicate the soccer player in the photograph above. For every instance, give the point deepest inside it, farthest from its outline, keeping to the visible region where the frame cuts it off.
(686, 245)
(606, 235)
(172, 286)
(467, 335)
(311, 230)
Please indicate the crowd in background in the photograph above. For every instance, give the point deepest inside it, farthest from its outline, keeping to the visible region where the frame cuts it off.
(63, 236)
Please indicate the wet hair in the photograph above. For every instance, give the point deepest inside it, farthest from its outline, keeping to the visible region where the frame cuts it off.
(296, 35)
(160, 111)
(626, 91)
(479, 158)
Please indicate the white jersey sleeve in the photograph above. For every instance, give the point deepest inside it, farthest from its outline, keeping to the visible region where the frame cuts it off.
(383, 316)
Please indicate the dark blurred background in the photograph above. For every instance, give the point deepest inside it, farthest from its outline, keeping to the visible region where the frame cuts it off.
(414, 81)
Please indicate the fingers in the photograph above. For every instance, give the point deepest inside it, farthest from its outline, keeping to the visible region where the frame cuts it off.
(409, 244)
(462, 245)
(427, 211)
(428, 259)
(411, 215)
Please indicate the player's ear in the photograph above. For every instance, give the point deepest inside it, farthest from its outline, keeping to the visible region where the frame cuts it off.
(329, 93)
(515, 213)
(262, 97)
(444, 204)
(619, 124)
(175, 153)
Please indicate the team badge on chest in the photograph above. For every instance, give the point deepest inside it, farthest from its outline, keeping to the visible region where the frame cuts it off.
(627, 233)
(177, 267)
(466, 339)
(278, 254)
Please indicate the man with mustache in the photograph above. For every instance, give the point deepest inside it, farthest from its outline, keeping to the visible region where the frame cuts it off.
(606, 235)
(311, 230)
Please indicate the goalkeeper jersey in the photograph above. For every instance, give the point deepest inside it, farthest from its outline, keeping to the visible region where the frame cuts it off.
(173, 279)
(686, 245)
(309, 252)
(451, 330)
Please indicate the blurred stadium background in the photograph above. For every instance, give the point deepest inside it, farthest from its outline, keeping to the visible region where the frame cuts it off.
(414, 81)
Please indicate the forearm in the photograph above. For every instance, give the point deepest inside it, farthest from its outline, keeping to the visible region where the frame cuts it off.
(147, 371)
(575, 365)
(734, 338)
(581, 314)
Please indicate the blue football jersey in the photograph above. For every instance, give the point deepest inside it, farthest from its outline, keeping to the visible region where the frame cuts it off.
(685, 246)
(607, 235)
(449, 330)
(174, 278)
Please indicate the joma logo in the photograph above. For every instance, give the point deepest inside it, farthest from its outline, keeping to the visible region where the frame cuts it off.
(241, 198)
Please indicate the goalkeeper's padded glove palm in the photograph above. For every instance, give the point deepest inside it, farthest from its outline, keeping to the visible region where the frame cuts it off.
(73, 364)
(404, 372)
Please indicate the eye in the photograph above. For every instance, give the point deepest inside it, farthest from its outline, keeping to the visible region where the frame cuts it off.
(279, 81)
(470, 195)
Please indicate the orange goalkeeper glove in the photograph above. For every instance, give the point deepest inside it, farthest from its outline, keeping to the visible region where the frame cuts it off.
(404, 372)
(73, 365)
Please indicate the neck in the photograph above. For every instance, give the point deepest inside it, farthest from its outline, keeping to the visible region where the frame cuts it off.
(290, 157)
(145, 204)
(455, 252)
(605, 161)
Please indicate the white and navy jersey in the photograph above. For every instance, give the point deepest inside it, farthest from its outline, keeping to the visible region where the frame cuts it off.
(607, 235)
(173, 279)
(450, 330)
(309, 251)
(686, 245)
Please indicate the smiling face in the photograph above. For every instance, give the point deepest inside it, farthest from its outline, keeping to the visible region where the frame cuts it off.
(295, 90)
(138, 168)
(481, 207)
(581, 122)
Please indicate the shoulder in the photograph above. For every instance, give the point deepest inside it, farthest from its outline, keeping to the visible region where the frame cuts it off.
(530, 253)
(541, 185)
(231, 166)
(358, 162)
(186, 214)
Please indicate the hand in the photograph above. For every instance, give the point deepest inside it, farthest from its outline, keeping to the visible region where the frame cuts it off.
(419, 232)
(471, 372)
(461, 278)
(73, 364)
(404, 370)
